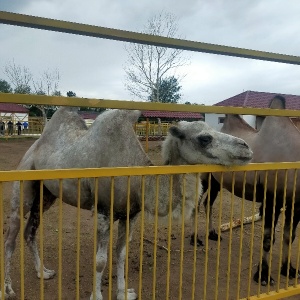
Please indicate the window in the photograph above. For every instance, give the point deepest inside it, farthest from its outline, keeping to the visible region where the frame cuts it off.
(221, 120)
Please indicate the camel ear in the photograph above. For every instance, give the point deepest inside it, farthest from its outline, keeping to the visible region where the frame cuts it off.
(278, 102)
(176, 132)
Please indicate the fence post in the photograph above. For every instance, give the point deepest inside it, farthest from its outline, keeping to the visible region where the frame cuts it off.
(147, 135)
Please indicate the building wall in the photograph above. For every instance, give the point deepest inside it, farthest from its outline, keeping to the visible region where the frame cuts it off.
(216, 120)
(15, 117)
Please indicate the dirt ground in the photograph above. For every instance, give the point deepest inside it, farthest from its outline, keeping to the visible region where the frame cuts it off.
(214, 286)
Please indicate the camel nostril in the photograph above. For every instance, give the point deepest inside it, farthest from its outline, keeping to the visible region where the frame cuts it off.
(244, 144)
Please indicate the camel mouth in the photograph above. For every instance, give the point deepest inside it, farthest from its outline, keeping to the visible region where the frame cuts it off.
(244, 159)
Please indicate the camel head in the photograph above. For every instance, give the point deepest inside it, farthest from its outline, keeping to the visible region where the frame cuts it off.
(198, 143)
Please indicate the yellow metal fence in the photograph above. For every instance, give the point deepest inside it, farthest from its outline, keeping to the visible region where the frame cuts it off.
(160, 264)
(165, 265)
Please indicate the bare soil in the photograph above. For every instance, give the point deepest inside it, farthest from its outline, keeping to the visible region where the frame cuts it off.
(221, 264)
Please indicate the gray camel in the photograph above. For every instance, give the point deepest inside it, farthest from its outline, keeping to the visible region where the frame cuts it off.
(66, 142)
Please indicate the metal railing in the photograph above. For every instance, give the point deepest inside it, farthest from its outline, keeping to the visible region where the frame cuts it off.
(206, 266)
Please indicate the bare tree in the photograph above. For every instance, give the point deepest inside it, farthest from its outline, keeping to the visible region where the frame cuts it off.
(47, 84)
(147, 65)
(20, 77)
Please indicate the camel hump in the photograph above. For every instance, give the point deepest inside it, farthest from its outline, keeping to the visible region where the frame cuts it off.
(278, 102)
(134, 115)
(119, 116)
(66, 116)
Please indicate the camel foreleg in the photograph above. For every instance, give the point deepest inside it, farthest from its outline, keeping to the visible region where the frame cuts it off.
(121, 254)
(103, 231)
(263, 270)
(212, 194)
(287, 269)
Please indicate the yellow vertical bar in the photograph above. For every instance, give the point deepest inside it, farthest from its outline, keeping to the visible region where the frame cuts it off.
(1, 238)
(297, 260)
(78, 238)
(135, 128)
(241, 237)
(169, 238)
(230, 236)
(252, 236)
(206, 236)
(111, 226)
(142, 239)
(95, 219)
(195, 236)
(155, 238)
(272, 231)
(298, 251)
(282, 230)
(285, 188)
(42, 239)
(262, 232)
(127, 236)
(147, 136)
(60, 238)
(22, 239)
(182, 237)
(219, 236)
(291, 227)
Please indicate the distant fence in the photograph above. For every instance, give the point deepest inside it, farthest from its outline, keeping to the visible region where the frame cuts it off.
(34, 126)
(152, 129)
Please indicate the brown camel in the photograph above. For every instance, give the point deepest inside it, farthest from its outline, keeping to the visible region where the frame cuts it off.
(278, 140)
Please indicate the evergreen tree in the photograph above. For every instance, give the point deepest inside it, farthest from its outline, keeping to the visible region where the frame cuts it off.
(5, 87)
(168, 91)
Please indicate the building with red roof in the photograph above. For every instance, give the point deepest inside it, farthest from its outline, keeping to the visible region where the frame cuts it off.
(171, 115)
(12, 108)
(251, 99)
(13, 112)
(259, 100)
(152, 114)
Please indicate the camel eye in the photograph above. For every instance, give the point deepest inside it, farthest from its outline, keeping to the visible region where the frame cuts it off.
(204, 140)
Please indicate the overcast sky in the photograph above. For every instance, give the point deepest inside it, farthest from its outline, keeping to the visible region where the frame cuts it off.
(93, 67)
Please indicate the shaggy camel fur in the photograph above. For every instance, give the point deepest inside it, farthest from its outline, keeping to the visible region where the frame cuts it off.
(278, 140)
(66, 142)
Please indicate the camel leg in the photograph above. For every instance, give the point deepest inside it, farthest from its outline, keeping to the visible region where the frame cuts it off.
(14, 228)
(121, 254)
(31, 228)
(214, 190)
(267, 240)
(289, 270)
(103, 231)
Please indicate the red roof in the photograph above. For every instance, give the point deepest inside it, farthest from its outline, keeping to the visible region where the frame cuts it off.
(89, 114)
(12, 108)
(171, 114)
(259, 100)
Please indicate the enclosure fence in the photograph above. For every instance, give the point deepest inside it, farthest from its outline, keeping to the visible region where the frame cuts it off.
(164, 268)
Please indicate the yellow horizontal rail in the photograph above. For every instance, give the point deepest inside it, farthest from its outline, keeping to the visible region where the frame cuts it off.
(123, 104)
(281, 294)
(138, 171)
(128, 36)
